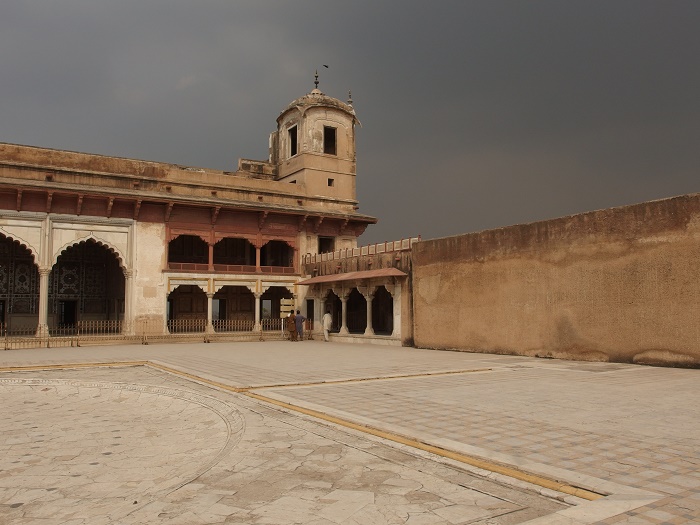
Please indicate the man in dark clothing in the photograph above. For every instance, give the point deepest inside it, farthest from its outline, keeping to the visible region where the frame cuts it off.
(291, 326)
(299, 320)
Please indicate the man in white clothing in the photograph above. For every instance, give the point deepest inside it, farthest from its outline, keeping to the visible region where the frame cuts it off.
(327, 321)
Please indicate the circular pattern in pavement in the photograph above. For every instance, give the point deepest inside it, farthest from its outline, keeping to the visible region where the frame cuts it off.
(90, 445)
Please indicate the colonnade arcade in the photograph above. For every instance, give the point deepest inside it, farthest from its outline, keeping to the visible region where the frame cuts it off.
(370, 309)
(231, 254)
(85, 283)
(215, 305)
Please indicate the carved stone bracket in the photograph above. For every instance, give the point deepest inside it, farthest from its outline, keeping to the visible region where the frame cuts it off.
(302, 221)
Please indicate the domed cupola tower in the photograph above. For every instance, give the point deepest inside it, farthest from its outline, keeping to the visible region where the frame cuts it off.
(314, 145)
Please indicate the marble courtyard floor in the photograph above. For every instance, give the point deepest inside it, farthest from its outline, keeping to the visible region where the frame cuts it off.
(324, 433)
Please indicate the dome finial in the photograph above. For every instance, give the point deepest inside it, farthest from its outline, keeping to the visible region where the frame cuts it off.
(349, 98)
(316, 79)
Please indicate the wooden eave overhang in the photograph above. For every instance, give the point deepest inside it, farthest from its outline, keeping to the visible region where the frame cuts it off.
(142, 196)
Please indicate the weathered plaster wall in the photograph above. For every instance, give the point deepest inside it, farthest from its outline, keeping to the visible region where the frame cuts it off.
(150, 291)
(621, 285)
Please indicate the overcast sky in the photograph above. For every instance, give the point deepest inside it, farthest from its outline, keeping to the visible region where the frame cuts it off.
(475, 114)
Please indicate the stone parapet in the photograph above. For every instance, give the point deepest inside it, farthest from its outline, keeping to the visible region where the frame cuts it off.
(394, 254)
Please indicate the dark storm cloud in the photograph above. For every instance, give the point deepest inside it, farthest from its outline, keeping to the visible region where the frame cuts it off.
(475, 114)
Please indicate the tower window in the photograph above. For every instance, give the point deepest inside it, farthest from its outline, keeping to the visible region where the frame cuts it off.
(292, 141)
(331, 182)
(329, 140)
(326, 244)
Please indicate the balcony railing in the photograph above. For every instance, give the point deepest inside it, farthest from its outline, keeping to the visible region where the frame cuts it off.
(277, 269)
(198, 267)
(232, 268)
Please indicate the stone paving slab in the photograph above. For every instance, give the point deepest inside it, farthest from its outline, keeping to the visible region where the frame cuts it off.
(632, 429)
(136, 445)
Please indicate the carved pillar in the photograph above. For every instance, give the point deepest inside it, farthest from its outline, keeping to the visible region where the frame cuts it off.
(344, 309)
(211, 257)
(369, 330)
(396, 331)
(128, 321)
(318, 313)
(257, 326)
(42, 328)
(210, 308)
(257, 258)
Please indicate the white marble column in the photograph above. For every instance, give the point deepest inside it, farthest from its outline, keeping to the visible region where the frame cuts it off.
(210, 308)
(42, 328)
(369, 330)
(128, 321)
(257, 326)
(344, 309)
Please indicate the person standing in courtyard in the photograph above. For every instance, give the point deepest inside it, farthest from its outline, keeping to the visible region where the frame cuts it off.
(292, 326)
(300, 325)
(327, 321)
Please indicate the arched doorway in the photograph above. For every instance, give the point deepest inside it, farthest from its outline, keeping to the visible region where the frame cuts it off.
(357, 312)
(86, 286)
(271, 307)
(233, 309)
(19, 288)
(187, 309)
(382, 312)
(334, 305)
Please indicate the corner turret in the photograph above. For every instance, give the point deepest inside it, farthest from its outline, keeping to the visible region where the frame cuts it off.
(314, 145)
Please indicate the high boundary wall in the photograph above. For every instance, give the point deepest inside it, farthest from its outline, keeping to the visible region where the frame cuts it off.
(620, 285)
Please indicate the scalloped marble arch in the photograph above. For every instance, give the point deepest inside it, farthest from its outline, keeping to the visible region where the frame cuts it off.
(91, 237)
(345, 291)
(288, 286)
(24, 244)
